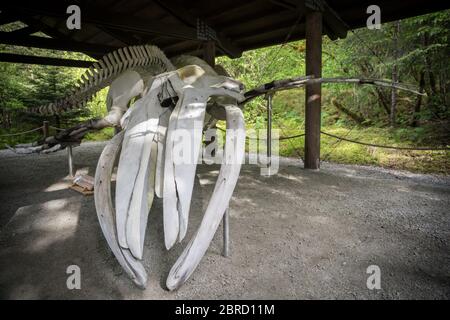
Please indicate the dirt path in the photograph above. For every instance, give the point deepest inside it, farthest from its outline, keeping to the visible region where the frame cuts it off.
(297, 235)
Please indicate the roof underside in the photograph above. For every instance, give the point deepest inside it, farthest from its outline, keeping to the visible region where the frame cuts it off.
(172, 25)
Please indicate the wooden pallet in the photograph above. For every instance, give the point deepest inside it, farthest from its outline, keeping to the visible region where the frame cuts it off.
(83, 184)
(82, 190)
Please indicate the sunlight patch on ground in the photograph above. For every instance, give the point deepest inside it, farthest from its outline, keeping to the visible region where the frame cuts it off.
(42, 225)
(60, 185)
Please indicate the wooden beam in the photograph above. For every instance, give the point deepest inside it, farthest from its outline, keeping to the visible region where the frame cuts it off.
(277, 19)
(233, 14)
(125, 38)
(25, 31)
(5, 19)
(335, 26)
(17, 58)
(125, 23)
(183, 15)
(54, 44)
(209, 53)
(276, 33)
(334, 22)
(178, 47)
(108, 19)
(314, 91)
(46, 29)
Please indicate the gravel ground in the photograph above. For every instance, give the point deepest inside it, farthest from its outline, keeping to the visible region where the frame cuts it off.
(297, 235)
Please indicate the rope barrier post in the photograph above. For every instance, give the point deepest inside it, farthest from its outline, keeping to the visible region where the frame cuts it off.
(45, 129)
(70, 159)
(269, 97)
(226, 233)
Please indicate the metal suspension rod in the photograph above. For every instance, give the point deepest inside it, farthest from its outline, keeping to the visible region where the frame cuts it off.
(226, 233)
(269, 130)
(70, 158)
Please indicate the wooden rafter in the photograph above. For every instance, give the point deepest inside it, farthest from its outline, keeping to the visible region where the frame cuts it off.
(35, 22)
(25, 31)
(335, 26)
(183, 15)
(126, 23)
(5, 19)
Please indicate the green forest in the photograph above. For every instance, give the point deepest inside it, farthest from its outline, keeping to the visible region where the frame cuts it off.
(414, 52)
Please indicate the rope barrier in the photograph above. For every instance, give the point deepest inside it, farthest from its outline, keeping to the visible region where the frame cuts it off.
(56, 128)
(387, 147)
(361, 143)
(20, 133)
(29, 131)
(280, 138)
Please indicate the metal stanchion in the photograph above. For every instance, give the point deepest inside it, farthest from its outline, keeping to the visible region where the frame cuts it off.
(269, 130)
(226, 233)
(70, 155)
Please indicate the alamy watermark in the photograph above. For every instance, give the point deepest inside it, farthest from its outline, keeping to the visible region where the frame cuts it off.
(73, 281)
(220, 149)
(374, 20)
(374, 280)
(74, 20)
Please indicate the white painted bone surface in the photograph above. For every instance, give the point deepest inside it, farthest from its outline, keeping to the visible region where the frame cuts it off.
(106, 214)
(162, 131)
(148, 165)
(133, 185)
(179, 176)
(190, 124)
(170, 198)
(226, 182)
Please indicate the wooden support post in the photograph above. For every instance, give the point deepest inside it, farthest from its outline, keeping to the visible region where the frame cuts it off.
(313, 91)
(45, 129)
(209, 53)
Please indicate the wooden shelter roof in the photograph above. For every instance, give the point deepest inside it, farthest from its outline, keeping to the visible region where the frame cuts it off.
(177, 26)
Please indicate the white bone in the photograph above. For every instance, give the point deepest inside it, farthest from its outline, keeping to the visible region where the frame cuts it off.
(190, 120)
(162, 130)
(105, 211)
(148, 163)
(229, 173)
(179, 177)
(170, 198)
(133, 183)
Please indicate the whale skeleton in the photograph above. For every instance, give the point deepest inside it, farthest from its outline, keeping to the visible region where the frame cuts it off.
(161, 106)
(148, 164)
(172, 109)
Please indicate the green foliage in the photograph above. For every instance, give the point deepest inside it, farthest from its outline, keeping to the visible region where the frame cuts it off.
(102, 135)
(423, 48)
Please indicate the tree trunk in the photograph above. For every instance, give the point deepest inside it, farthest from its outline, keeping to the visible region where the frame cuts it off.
(367, 70)
(416, 121)
(431, 77)
(355, 117)
(395, 75)
(384, 101)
